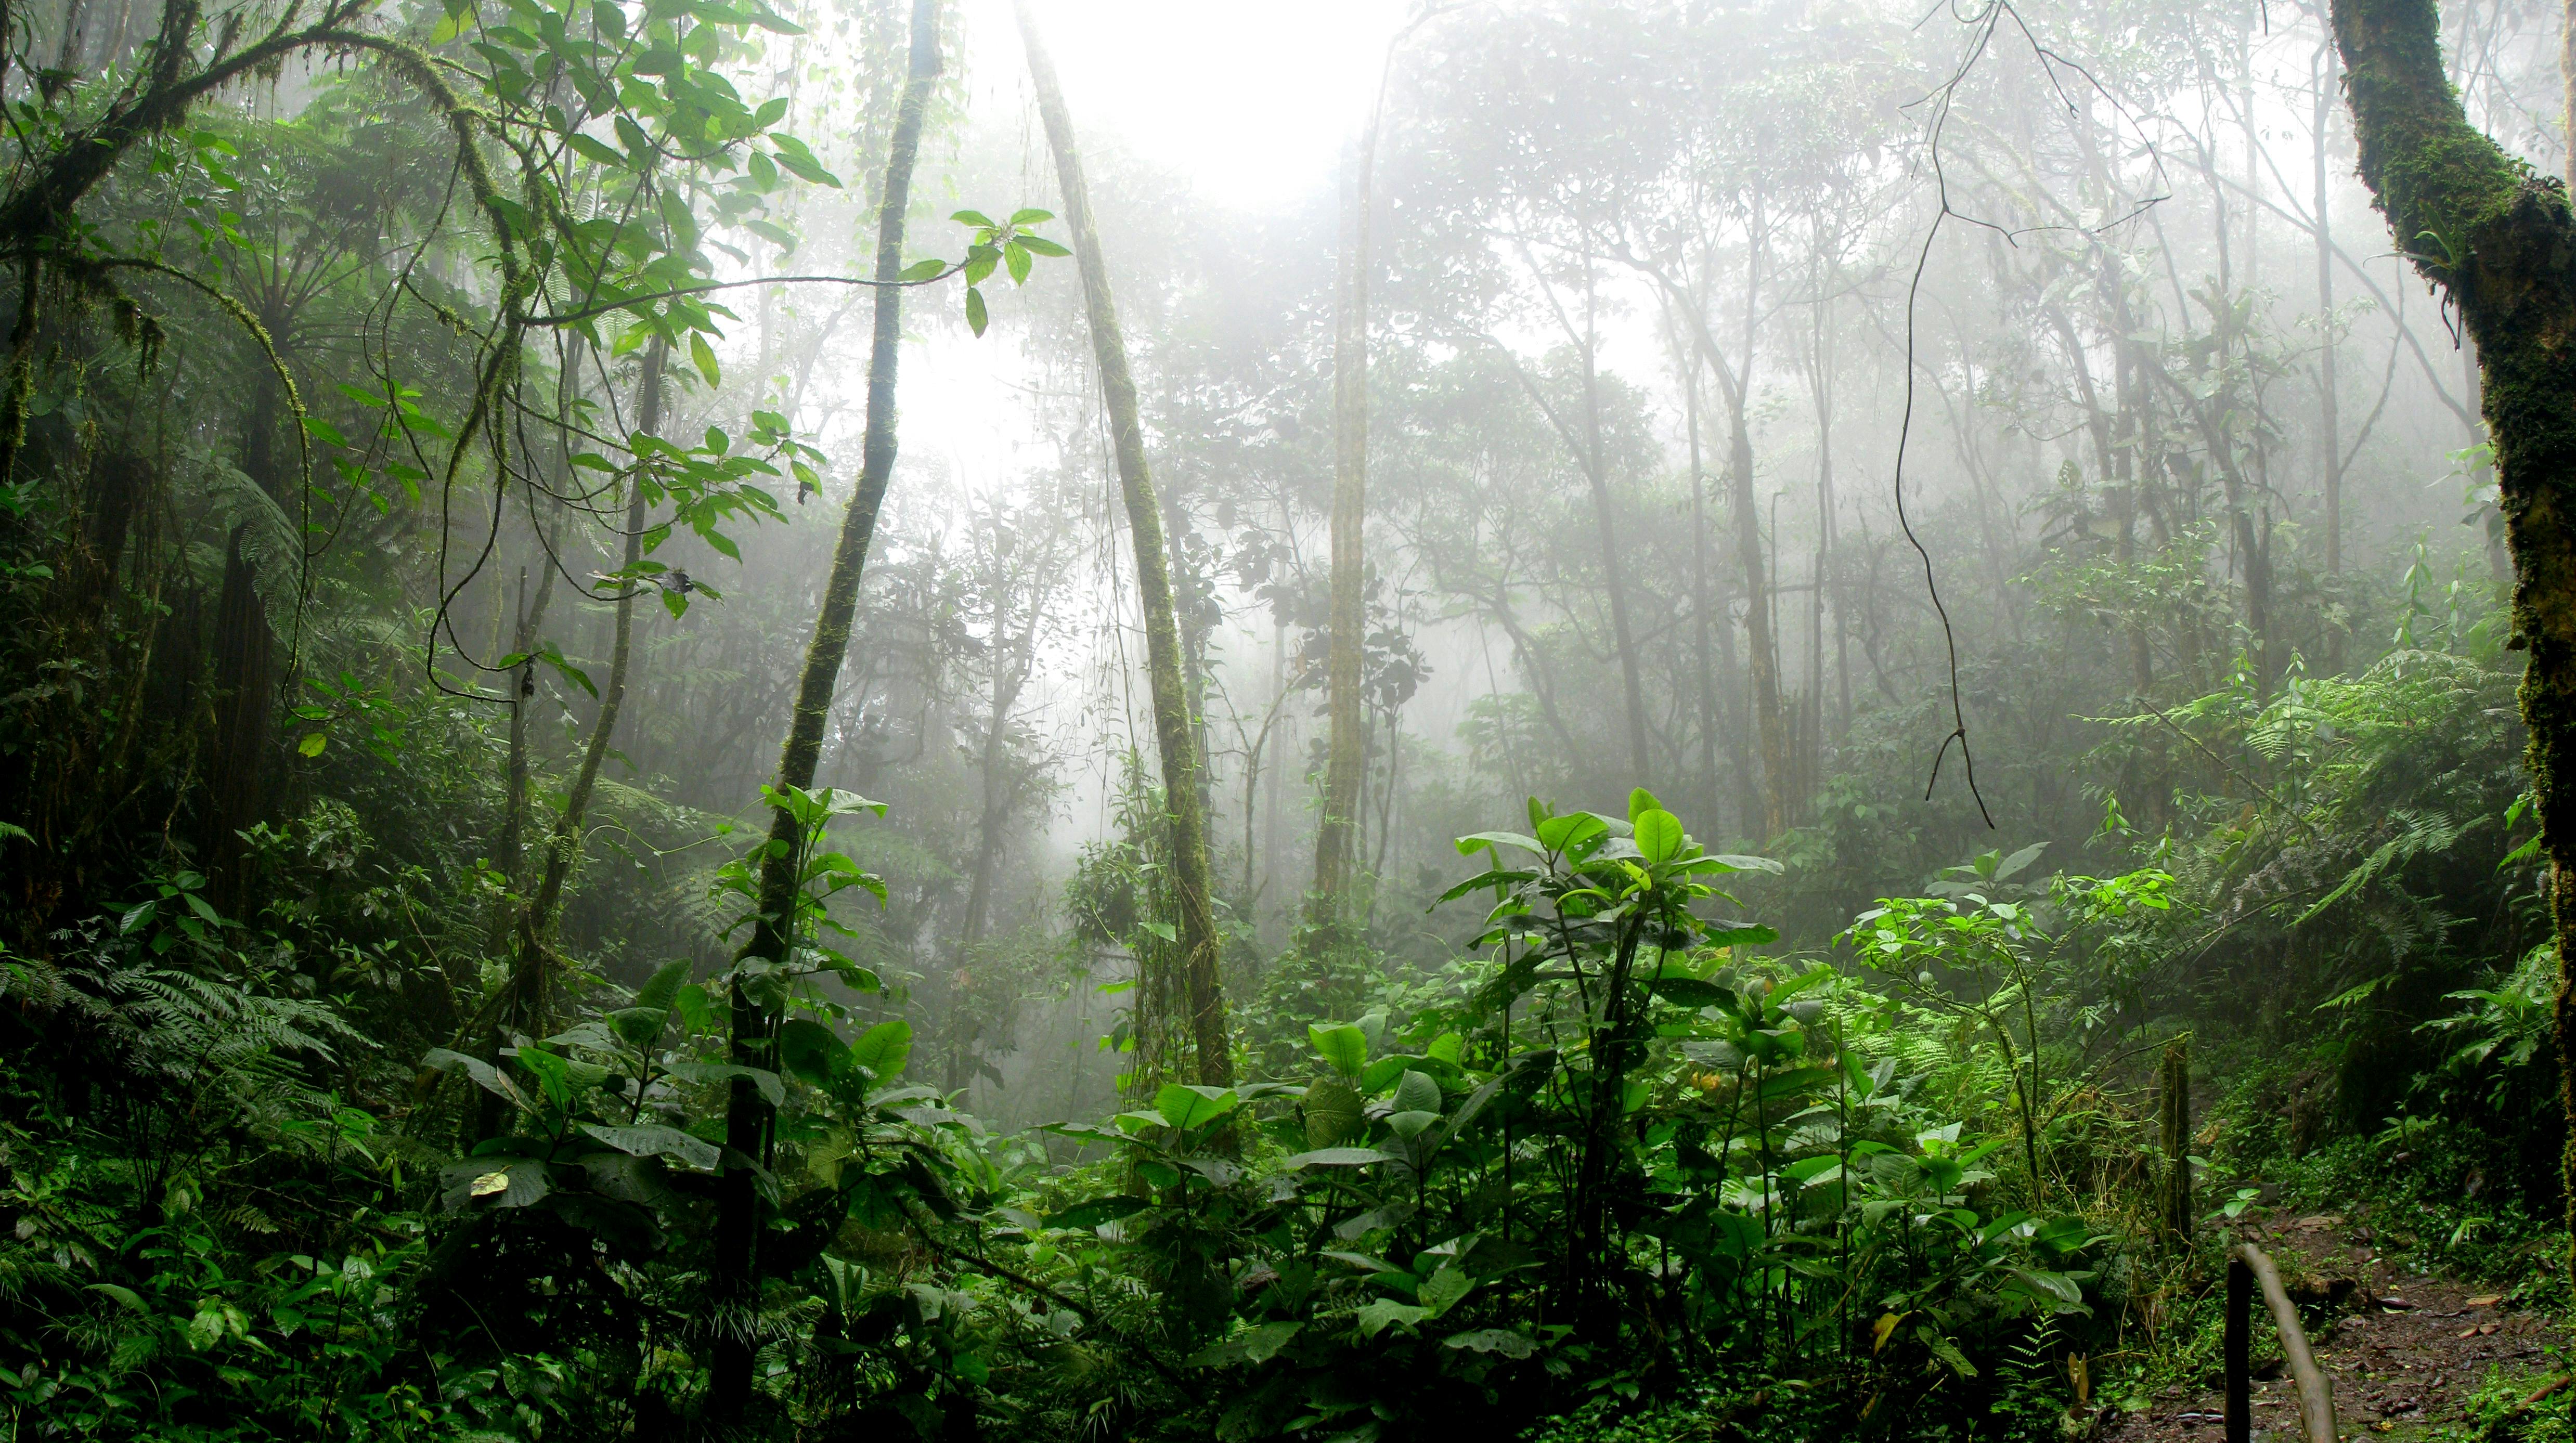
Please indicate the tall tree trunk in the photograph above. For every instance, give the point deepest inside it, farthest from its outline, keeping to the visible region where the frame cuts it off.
(1762, 650)
(1346, 754)
(526, 1000)
(1614, 566)
(735, 1268)
(2506, 234)
(245, 675)
(1173, 729)
(1703, 604)
(2329, 424)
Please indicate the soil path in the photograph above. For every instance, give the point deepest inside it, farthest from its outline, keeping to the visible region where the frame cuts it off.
(2405, 1352)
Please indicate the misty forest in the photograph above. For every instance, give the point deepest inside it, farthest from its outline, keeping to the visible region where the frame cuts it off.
(1631, 720)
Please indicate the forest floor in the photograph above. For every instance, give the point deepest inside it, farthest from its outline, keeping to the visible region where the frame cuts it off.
(2407, 1350)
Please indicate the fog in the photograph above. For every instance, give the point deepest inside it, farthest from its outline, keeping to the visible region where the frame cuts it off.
(515, 551)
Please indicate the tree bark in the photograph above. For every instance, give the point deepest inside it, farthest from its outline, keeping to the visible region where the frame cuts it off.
(1174, 733)
(2498, 238)
(735, 1268)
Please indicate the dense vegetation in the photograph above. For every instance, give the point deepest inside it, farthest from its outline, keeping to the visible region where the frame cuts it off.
(1339, 865)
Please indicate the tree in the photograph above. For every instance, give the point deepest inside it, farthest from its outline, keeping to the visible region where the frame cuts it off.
(748, 1116)
(1175, 730)
(2497, 237)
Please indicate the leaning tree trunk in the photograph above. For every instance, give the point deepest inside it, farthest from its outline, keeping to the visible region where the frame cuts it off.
(735, 1271)
(1173, 732)
(2497, 236)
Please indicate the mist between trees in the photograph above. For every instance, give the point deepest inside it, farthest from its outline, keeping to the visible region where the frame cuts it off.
(729, 720)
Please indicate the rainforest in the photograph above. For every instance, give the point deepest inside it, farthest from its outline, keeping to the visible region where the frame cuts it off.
(1374, 721)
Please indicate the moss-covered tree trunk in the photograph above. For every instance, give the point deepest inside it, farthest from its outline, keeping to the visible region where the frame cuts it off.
(735, 1271)
(1173, 732)
(2497, 236)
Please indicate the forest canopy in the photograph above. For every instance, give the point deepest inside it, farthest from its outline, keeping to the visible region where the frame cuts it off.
(1592, 719)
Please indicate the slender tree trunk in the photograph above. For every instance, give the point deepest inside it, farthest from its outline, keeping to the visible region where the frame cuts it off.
(1173, 729)
(527, 1001)
(1760, 645)
(2329, 424)
(2507, 234)
(1012, 662)
(1703, 605)
(1822, 383)
(1614, 566)
(1345, 756)
(735, 1268)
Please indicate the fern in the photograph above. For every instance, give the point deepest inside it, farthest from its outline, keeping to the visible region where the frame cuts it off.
(268, 538)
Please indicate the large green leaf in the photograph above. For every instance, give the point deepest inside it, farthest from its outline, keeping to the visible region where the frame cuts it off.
(1343, 1045)
(657, 1141)
(1659, 836)
(1187, 1105)
(1417, 1092)
(884, 1048)
(1332, 1111)
(808, 1049)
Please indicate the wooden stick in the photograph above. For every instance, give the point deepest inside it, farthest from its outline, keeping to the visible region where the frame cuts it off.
(2316, 1393)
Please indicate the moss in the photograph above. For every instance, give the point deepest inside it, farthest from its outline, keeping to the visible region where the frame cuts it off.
(2497, 237)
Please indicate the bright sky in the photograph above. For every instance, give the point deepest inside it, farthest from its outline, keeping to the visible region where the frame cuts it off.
(1249, 99)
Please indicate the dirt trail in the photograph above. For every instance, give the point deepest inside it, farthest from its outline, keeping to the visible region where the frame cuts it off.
(2405, 1354)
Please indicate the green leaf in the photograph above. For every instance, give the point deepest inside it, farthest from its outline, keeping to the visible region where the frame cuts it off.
(1187, 1105)
(767, 1083)
(312, 744)
(1375, 1318)
(1740, 934)
(923, 270)
(639, 146)
(1336, 1157)
(656, 1140)
(1569, 833)
(1344, 1046)
(1084, 1216)
(1493, 1340)
(1253, 1345)
(1659, 834)
(705, 356)
(976, 318)
(884, 1048)
(1040, 245)
(1687, 992)
(1446, 1288)
(1417, 1092)
(808, 1049)
(1332, 1108)
(595, 149)
(1029, 216)
(975, 217)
